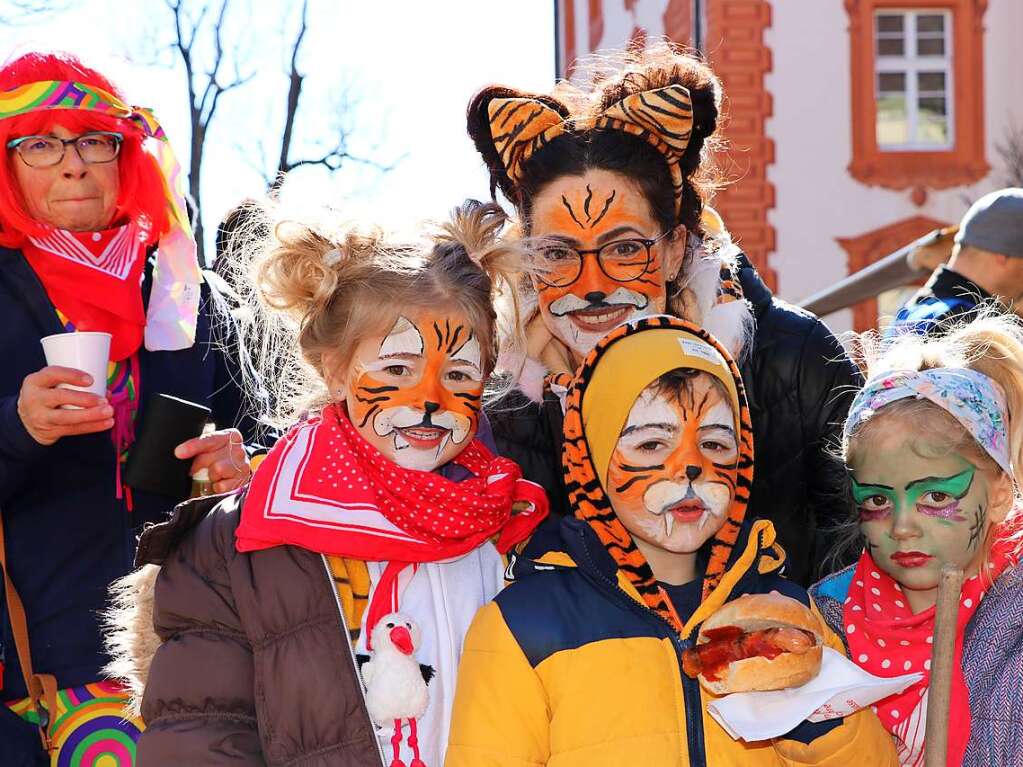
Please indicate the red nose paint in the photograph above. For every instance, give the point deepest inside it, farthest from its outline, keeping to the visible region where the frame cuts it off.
(401, 638)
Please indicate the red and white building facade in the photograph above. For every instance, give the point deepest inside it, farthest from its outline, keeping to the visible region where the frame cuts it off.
(854, 125)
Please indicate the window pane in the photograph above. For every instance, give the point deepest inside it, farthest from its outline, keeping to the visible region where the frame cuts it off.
(931, 82)
(891, 47)
(891, 81)
(932, 130)
(932, 105)
(892, 127)
(932, 122)
(930, 22)
(889, 22)
(930, 46)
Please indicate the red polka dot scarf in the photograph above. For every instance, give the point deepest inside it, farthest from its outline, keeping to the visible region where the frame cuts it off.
(326, 489)
(887, 639)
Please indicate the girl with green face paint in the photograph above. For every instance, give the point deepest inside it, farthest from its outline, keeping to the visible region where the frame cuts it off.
(918, 512)
(932, 447)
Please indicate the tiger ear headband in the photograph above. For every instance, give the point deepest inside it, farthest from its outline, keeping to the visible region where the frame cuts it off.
(663, 118)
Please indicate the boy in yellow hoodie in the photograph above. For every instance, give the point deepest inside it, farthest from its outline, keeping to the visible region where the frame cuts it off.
(578, 662)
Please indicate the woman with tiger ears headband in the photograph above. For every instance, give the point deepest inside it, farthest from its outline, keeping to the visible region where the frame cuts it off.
(585, 645)
(611, 186)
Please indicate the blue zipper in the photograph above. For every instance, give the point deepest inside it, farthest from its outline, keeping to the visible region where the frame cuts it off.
(690, 687)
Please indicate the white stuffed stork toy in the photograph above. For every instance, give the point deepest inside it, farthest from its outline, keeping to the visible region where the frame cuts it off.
(395, 683)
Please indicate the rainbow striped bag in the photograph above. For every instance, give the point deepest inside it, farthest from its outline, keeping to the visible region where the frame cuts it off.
(91, 727)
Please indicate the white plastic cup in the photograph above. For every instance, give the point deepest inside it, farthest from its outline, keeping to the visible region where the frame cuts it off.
(88, 352)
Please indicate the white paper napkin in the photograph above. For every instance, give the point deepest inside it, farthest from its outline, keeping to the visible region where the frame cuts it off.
(841, 688)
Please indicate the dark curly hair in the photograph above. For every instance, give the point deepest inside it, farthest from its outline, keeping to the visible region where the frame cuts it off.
(613, 79)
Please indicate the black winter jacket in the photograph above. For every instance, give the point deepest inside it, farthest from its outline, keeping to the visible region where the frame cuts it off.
(67, 535)
(799, 382)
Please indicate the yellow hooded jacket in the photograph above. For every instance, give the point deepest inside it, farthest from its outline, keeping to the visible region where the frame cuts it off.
(567, 667)
(573, 664)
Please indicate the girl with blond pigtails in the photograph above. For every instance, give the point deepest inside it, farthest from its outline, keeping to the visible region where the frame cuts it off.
(934, 446)
(318, 616)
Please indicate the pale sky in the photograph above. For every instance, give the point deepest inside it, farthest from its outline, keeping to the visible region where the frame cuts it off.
(411, 65)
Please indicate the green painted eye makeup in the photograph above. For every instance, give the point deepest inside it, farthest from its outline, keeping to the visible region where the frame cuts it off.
(939, 496)
(873, 501)
(934, 496)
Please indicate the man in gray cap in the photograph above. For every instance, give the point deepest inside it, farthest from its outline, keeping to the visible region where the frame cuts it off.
(986, 264)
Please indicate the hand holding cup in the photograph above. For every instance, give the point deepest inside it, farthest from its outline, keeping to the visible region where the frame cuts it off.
(43, 405)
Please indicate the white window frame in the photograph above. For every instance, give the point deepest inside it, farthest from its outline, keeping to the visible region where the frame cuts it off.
(910, 64)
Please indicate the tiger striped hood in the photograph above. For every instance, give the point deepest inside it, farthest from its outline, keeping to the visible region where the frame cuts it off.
(599, 398)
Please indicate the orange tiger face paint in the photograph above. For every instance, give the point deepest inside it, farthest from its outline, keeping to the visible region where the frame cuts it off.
(415, 392)
(672, 476)
(600, 209)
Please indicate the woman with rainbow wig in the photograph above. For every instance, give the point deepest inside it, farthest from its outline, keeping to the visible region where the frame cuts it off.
(94, 236)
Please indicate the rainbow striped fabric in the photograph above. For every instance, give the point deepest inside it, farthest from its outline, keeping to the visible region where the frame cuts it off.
(63, 94)
(93, 729)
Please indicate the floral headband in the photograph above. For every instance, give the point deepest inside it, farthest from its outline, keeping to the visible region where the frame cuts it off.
(662, 117)
(174, 301)
(974, 400)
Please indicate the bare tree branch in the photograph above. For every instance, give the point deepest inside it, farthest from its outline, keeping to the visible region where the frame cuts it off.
(24, 12)
(295, 79)
(202, 99)
(332, 158)
(1011, 152)
(207, 44)
(260, 163)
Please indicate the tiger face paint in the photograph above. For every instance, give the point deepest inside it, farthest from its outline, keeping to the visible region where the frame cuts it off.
(414, 393)
(672, 476)
(586, 213)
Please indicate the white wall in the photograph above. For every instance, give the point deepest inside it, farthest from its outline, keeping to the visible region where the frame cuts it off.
(619, 22)
(816, 198)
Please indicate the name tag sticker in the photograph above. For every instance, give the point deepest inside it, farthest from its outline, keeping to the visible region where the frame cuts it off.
(701, 350)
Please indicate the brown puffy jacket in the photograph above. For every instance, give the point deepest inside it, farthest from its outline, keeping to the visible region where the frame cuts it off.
(253, 664)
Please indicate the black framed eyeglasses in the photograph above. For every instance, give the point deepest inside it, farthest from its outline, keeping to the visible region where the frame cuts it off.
(45, 151)
(558, 265)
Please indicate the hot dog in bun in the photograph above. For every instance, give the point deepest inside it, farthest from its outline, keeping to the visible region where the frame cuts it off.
(756, 642)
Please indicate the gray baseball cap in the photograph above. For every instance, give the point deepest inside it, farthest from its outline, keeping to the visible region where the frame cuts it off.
(995, 223)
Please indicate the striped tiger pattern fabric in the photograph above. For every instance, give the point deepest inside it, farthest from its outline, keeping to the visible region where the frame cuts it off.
(351, 581)
(590, 503)
(519, 127)
(729, 288)
(663, 117)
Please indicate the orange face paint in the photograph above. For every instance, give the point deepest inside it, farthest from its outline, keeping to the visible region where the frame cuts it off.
(586, 213)
(673, 474)
(417, 390)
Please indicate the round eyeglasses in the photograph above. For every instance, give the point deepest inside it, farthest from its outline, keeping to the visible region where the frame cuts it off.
(47, 151)
(626, 260)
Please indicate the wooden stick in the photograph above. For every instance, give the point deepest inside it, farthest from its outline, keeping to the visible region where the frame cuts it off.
(939, 696)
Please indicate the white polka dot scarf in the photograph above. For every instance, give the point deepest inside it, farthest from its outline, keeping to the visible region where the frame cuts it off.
(887, 639)
(324, 488)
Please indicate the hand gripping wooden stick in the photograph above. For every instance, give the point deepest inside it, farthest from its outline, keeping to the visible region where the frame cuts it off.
(939, 696)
